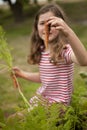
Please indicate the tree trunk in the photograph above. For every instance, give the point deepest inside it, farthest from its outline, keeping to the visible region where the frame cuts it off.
(35, 2)
(17, 10)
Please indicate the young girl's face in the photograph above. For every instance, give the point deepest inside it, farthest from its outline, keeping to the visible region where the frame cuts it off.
(41, 27)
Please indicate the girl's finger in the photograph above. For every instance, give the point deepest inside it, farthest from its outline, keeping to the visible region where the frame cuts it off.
(55, 22)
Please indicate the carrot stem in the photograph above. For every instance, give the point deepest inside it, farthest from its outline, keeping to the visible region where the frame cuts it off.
(16, 85)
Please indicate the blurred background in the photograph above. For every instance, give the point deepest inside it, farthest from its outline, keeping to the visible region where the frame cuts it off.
(16, 18)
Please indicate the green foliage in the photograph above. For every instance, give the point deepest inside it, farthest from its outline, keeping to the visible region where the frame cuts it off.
(2, 120)
(51, 117)
(84, 76)
(7, 62)
(5, 55)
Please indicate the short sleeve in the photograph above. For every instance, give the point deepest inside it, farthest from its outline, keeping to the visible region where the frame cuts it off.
(66, 54)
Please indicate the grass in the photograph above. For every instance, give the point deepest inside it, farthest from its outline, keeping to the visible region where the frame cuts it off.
(76, 11)
(18, 39)
(15, 30)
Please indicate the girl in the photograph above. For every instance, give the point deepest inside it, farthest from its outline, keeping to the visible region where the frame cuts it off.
(56, 63)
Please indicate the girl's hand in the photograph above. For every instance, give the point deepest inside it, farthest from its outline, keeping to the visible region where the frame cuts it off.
(59, 24)
(18, 72)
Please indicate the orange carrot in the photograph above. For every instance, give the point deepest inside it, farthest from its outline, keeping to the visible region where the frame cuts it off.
(15, 81)
(16, 85)
(47, 29)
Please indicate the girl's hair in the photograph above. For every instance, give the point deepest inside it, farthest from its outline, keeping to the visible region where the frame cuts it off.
(37, 43)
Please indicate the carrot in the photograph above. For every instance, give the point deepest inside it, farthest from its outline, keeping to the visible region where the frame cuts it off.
(15, 81)
(47, 29)
(16, 85)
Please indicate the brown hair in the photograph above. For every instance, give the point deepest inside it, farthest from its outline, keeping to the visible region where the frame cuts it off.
(36, 42)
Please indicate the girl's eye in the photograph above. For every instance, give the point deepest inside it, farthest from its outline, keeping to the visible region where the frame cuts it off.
(53, 26)
(42, 23)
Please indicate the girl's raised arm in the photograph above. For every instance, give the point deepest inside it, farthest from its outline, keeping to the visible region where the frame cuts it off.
(79, 54)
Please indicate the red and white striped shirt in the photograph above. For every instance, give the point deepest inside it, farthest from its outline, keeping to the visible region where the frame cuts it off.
(56, 80)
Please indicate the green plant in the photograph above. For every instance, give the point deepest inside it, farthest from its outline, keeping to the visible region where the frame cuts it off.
(6, 63)
(53, 117)
(84, 76)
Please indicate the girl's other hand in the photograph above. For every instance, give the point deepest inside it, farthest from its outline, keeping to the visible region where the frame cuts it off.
(18, 72)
